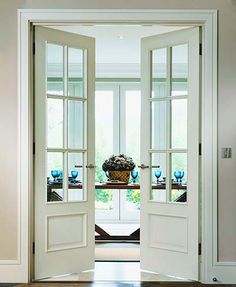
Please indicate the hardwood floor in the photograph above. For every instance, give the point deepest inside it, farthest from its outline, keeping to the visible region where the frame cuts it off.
(113, 284)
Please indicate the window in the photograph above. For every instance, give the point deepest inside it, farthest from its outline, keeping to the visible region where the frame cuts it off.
(117, 121)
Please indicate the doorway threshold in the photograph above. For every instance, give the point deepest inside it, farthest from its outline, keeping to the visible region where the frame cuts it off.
(115, 271)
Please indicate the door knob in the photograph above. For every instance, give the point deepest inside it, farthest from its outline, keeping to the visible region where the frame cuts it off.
(143, 166)
(90, 166)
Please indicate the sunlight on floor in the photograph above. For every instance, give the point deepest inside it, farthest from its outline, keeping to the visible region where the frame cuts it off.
(117, 251)
(115, 271)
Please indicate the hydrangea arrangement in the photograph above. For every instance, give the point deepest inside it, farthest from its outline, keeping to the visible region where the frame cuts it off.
(118, 162)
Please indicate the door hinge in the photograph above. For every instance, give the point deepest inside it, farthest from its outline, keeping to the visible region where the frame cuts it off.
(200, 49)
(33, 48)
(33, 148)
(33, 248)
(199, 248)
(200, 149)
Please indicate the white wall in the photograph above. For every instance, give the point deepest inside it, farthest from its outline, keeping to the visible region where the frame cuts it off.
(9, 105)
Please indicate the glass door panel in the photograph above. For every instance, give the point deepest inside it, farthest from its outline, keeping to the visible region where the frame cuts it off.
(159, 124)
(178, 175)
(179, 68)
(179, 123)
(75, 72)
(159, 73)
(158, 177)
(55, 123)
(76, 110)
(66, 124)
(55, 69)
(76, 176)
(55, 190)
(169, 115)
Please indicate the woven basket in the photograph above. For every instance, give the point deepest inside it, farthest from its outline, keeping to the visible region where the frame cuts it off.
(121, 175)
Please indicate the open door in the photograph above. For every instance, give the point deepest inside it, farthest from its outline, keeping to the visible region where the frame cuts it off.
(64, 152)
(170, 153)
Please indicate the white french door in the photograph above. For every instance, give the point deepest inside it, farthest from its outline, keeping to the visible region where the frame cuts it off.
(64, 152)
(170, 145)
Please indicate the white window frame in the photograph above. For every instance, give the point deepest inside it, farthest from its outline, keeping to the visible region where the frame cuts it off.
(106, 216)
(210, 267)
(119, 87)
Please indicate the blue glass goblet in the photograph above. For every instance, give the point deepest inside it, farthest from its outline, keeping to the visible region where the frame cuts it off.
(55, 174)
(74, 174)
(181, 176)
(157, 175)
(134, 175)
(177, 175)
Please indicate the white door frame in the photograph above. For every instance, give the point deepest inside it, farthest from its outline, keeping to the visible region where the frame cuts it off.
(208, 20)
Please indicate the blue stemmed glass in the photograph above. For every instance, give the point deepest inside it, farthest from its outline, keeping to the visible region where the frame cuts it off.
(177, 175)
(74, 174)
(134, 175)
(55, 174)
(157, 175)
(181, 176)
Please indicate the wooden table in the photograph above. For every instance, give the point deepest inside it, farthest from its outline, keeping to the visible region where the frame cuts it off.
(103, 235)
(98, 185)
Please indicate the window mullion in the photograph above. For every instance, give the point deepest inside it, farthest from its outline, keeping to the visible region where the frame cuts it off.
(168, 123)
(65, 126)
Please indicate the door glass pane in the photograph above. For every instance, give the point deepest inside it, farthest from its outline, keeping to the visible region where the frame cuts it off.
(54, 176)
(158, 177)
(55, 123)
(132, 122)
(76, 183)
(179, 177)
(75, 72)
(104, 130)
(55, 70)
(179, 123)
(75, 124)
(159, 125)
(179, 70)
(159, 73)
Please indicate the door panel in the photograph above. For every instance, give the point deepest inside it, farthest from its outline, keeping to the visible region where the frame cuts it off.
(169, 149)
(64, 142)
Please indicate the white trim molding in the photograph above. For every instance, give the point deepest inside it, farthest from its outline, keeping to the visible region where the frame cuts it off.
(205, 18)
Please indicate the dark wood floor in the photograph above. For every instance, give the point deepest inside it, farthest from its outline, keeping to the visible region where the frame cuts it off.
(112, 284)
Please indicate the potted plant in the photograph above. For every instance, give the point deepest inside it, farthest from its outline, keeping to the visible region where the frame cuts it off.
(119, 167)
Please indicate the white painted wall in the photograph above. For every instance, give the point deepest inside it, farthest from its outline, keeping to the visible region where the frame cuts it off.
(9, 105)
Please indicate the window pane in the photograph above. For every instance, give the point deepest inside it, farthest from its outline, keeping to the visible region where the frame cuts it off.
(75, 176)
(75, 124)
(104, 130)
(132, 122)
(159, 124)
(159, 72)
(104, 199)
(179, 70)
(55, 69)
(75, 72)
(132, 202)
(179, 176)
(158, 177)
(54, 176)
(179, 123)
(55, 123)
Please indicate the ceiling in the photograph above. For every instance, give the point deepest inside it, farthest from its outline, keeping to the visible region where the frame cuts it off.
(118, 43)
